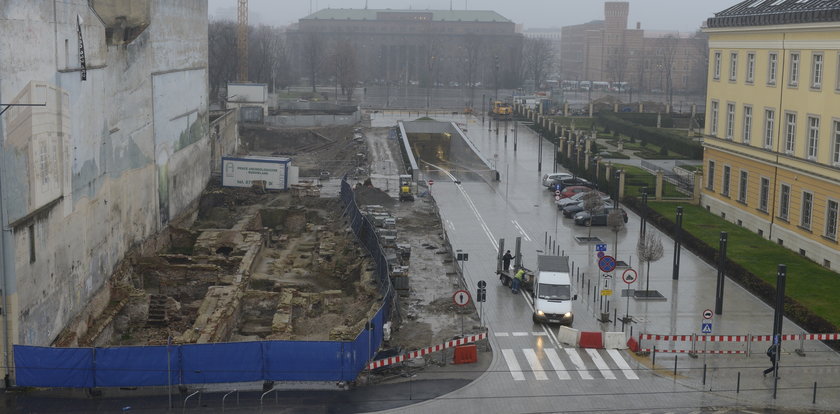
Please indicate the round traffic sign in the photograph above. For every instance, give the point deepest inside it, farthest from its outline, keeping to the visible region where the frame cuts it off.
(707, 314)
(629, 276)
(606, 264)
(461, 297)
(482, 284)
(601, 254)
(431, 182)
(557, 198)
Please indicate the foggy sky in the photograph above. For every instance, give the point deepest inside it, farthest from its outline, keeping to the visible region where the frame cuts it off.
(681, 15)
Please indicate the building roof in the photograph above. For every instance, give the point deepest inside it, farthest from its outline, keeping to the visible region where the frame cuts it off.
(773, 12)
(485, 16)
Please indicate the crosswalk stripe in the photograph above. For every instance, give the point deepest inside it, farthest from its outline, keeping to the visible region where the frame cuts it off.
(600, 363)
(625, 368)
(581, 368)
(513, 365)
(539, 333)
(536, 367)
(521, 334)
(502, 334)
(554, 359)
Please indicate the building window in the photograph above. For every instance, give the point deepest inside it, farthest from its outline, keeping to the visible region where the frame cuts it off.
(710, 184)
(835, 148)
(837, 69)
(716, 68)
(769, 125)
(813, 136)
(772, 67)
(747, 132)
(31, 243)
(790, 132)
(764, 193)
(831, 220)
(784, 202)
(733, 66)
(730, 120)
(794, 69)
(817, 71)
(713, 128)
(807, 205)
(726, 175)
(750, 67)
(742, 190)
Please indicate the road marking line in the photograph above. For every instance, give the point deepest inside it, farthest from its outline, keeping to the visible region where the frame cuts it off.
(600, 363)
(521, 230)
(625, 368)
(521, 334)
(450, 224)
(502, 334)
(513, 365)
(536, 367)
(554, 359)
(581, 367)
(539, 333)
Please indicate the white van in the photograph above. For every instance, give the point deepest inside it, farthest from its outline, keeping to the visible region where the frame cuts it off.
(552, 291)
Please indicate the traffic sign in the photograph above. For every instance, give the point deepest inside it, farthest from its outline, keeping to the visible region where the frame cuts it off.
(707, 314)
(707, 328)
(461, 297)
(606, 264)
(557, 193)
(606, 292)
(431, 182)
(481, 295)
(557, 198)
(629, 276)
(600, 254)
(482, 284)
(601, 247)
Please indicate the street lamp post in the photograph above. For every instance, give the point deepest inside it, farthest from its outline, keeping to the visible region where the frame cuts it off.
(677, 243)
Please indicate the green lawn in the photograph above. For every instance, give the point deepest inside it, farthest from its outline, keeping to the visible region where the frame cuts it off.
(636, 178)
(814, 286)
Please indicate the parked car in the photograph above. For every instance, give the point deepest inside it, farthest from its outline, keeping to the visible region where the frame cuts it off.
(573, 190)
(598, 219)
(570, 210)
(573, 181)
(549, 179)
(575, 199)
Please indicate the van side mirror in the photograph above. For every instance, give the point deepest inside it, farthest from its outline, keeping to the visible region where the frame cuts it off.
(574, 297)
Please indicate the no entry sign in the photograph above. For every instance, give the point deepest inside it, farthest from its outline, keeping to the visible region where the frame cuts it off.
(461, 297)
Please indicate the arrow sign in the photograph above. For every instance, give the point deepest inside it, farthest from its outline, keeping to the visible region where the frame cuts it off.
(461, 297)
(707, 328)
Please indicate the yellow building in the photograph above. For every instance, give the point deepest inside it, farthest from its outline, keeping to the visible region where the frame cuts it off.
(772, 136)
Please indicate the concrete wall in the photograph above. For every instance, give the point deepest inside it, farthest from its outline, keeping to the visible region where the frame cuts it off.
(224, 136)
(107, 162)
(313, 120)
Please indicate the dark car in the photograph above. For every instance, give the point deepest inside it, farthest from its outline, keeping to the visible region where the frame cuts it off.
(568, 182)
(599, 218)
(570, 210)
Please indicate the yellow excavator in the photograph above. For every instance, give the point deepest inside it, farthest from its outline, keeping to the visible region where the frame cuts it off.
(501, 110)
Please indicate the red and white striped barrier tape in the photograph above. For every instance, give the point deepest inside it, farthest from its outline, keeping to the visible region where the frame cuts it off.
(740, 338)
(428, 350)
(686, 351)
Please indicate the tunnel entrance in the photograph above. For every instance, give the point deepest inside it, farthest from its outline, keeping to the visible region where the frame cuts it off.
(443, 146)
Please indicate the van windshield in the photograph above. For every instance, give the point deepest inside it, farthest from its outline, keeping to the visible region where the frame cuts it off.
(554, 292)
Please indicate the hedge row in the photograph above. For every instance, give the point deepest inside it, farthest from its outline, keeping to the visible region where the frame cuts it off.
(680, 145)
(645, 119)
(759, 287)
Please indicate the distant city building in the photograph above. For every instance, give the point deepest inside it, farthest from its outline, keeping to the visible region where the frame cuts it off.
(424, 46)
(553, 35)
(607, 51)
(772, 136)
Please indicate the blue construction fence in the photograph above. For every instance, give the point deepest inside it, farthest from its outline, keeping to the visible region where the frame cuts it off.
(137, 366)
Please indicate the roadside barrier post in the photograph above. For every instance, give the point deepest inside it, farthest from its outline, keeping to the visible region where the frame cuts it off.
(653, 362)
(704, 374)
(738, 384)
(749, 344)
(801, 350)
(814, 397)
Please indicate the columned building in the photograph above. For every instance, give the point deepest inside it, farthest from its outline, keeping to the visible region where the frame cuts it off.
(772, 145)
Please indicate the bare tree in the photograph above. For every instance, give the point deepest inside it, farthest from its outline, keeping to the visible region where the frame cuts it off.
(515, 73)
(649, 250)
(346, 71)
(591, 204)
(221, 55)
(669, 53)
(615, 221)
(268, 60)
(312, 56)
(473, 48)
(539, 57)
(617, 63)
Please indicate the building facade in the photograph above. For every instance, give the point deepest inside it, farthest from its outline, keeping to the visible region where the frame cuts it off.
(423, 46)
(772, 145)
(607, 51)
(103, 142)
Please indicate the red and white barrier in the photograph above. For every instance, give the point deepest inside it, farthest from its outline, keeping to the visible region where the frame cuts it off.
(428, 350)
(740, 338)
(688, 351)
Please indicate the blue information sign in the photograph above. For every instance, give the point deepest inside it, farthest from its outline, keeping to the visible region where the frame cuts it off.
(707, 328)
(601, 247)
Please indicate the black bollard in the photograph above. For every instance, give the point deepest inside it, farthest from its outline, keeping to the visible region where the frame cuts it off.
(653, 364)
(738, 384)
(675, 365)
(704, 374)
(814, 398)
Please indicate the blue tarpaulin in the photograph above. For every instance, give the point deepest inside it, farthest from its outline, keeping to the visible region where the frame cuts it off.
(53, 367)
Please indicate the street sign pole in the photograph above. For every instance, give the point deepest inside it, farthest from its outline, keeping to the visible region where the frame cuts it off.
(677, 243)
(721, 273)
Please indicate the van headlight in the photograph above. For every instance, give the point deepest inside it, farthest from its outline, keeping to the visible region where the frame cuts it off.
(568, 315)
(540, 313)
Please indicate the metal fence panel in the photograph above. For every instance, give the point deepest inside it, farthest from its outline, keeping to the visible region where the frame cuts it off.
(38, 366)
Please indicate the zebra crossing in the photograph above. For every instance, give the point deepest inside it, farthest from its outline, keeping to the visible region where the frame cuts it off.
(547, 363)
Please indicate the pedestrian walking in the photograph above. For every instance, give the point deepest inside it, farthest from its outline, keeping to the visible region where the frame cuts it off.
(771, 353)
(506, 260)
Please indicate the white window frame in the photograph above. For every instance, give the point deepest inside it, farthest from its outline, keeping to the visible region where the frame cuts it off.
(763, 193)
(831, 218)
(805, 212)
(835, 146)
(790, 133)
(730, 120)
(716, 65)
(727, 177)
(713, 129)
(784, 201)
(817, 70)
(769, 127)
(746, 132)
(750, 75)
(772, 67)
(733, 66)
(795, 61)
(710, 179)
(837, 74)
(813, 136)
(743, 186)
